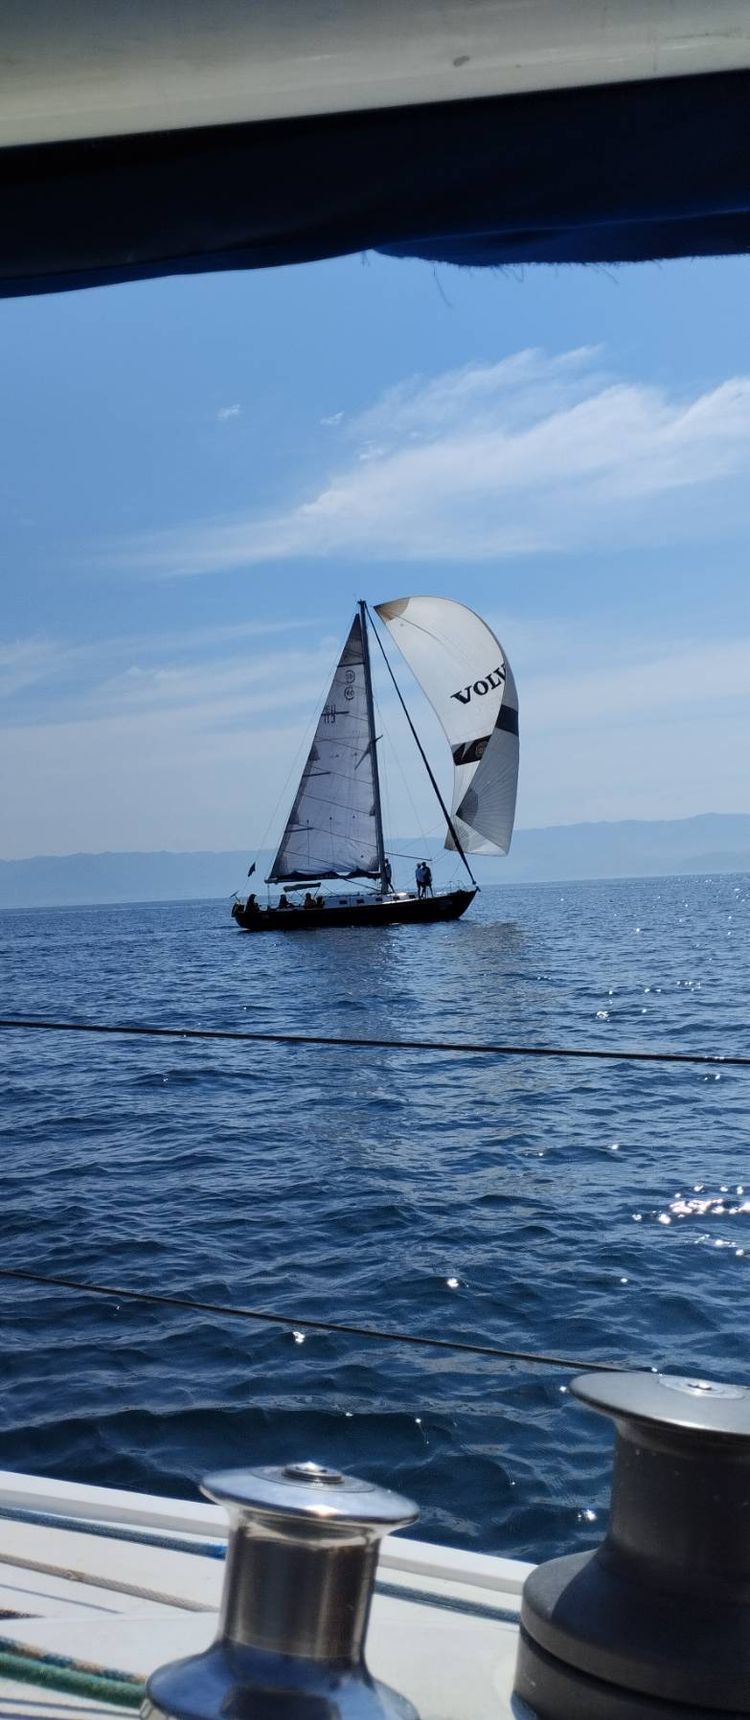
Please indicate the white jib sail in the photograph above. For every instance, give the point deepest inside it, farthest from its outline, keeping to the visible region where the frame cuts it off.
(464, 671)
(331, 832)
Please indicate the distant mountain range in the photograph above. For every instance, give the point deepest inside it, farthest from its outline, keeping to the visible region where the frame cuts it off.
(712, 842)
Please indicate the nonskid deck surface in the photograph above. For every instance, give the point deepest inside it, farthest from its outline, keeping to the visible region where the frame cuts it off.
(130, 1581)
(374, 911)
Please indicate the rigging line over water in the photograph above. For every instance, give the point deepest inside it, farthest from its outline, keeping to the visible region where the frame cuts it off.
(307, 1323)
(736, 1060)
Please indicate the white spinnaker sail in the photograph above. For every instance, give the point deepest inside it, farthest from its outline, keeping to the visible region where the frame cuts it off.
(332, 831)
(463, 670)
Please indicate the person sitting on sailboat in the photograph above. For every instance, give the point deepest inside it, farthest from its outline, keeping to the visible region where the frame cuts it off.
(252, 906)
(309, 901)
(284, 901)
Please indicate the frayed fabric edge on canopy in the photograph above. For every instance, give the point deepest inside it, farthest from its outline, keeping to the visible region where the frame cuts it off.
(616, 173)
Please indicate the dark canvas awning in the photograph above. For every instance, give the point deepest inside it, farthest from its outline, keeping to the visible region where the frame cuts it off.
(600, 171)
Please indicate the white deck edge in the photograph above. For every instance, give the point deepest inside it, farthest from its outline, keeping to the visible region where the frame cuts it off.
(147, 1511)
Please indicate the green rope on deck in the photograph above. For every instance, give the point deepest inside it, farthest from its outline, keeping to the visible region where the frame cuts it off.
(23, 1664)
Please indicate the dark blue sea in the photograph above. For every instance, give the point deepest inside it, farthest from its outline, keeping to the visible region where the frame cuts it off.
(597, 1210)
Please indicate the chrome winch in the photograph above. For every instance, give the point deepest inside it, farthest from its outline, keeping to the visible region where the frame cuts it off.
(301, 1560)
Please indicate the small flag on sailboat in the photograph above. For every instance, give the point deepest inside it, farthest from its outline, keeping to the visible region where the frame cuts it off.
(251, 869)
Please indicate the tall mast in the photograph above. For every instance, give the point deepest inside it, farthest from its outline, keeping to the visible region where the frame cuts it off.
(373, 747)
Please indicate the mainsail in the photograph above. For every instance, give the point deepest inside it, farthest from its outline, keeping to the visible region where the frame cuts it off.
(332, 830)
(463, 670)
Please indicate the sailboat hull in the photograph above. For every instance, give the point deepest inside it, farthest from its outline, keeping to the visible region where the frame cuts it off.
(402, 910)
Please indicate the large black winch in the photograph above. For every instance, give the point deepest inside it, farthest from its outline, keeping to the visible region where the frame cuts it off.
(655, 1623)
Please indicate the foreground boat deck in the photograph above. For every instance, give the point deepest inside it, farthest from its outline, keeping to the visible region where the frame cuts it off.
(128, 1581)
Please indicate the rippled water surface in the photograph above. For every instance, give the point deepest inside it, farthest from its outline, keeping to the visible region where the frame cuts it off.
(591, 1209)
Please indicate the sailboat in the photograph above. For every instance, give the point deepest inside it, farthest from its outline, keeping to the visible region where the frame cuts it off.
(335, 828)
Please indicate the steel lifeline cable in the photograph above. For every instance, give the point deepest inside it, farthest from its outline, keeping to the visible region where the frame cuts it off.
(476, 1048)
(304, 1322)
(229, 1310)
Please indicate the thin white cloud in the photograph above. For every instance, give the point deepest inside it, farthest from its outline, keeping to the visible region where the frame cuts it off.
(332, 419)
(225, 412)
(530, 384)
(532, 454)
(27, 663)
(222, 690)
(48, 678)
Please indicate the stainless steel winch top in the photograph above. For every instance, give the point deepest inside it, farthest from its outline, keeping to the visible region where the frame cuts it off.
(678, 1401)
(310, 1492)
(299, 1580)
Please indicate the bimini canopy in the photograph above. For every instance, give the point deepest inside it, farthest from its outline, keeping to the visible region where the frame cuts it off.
(167, 136)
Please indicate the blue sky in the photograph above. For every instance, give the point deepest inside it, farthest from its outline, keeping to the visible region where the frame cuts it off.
(198, 478)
